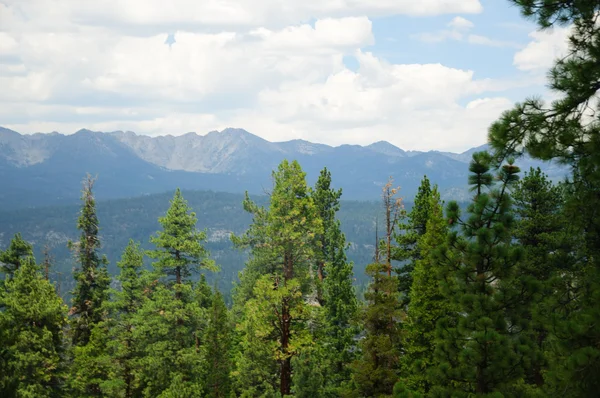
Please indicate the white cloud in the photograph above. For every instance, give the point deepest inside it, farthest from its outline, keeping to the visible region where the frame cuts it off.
(461, 23)
(543, 50)
(486, 41)
(192, 15)
(257, 65)
(459, 28)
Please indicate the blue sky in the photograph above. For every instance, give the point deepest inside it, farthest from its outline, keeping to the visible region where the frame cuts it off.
(422, 75)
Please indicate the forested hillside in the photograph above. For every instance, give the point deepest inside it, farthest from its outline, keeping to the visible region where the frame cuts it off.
(137, 218)
(497, 298)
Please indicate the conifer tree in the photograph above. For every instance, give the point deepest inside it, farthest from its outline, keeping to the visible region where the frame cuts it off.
(31, 335)
(478, 346)
(11, 258)
(282, 241)
(407, 249)
(124, 309)
(338, 300)
(568, 131)
(376, 371)
(428, 303)
(179, 250)
(541, 231)
(340, 311)
(218, 349)
(91, 277)
(171, 321)
(327, 202)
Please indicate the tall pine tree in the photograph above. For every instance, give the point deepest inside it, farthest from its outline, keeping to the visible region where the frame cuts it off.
(428, 303)
(407, 236)
(171, 321)
(478, 345)
(338, 300)
(282, 241)
(376, 371)
(91, 276)
(568, 130)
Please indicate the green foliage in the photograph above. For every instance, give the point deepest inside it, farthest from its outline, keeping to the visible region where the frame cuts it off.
(218, 349)
(407, 249)
(338, 300)
(91, 277)
(123, 310)
(171, 322)
(274, 317)
(568, 131)
(376, 372)
(31, 335)
(11, 258)
(428, 304)
(478, 348)
(168, 327)
(179, 249)
(541, 231)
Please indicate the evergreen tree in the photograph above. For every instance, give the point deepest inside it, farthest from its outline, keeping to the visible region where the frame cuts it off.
(105, 366)
(327, 202)
(478, 345)
(126, 305)
(11, 258)
(91, 277)
(340, 311)
(282, 241)
(338, 299)
(218, 349)
(407, 249)
(376, 371)
(428, 303)
(540, 230)
(170, 323)
(31, 335)
(568, 130)
(179, 250)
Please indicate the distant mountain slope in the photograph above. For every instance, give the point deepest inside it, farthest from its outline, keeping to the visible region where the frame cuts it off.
(45, 169)
(137, 218)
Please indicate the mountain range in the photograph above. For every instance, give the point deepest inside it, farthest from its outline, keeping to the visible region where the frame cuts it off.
(46, 169)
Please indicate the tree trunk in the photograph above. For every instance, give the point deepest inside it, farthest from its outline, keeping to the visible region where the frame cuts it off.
(286, 363)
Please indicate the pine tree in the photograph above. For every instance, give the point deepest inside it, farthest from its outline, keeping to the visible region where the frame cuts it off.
(376, 371)
(340, 312)
(126, 304)
(179, 250)
(31, 335)
(218, 349)
(540, 230)
(282, 241)
(568, 131)
(171, 322)
(91, 277)
(478, 346)
(338, 299)
(407, 249)
(11, 258)
(327, 201)
(428, 303)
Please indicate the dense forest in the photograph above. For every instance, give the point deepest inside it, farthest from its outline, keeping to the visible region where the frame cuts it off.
(48, 229)
(499, 299)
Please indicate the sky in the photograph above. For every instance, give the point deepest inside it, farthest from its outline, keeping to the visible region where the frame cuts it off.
(421, 74)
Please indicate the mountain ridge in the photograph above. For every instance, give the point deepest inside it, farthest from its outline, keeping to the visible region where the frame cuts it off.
(46, 169)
